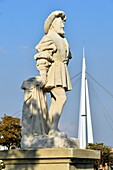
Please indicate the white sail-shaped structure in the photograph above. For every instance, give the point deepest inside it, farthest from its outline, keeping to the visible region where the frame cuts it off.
(85, 132)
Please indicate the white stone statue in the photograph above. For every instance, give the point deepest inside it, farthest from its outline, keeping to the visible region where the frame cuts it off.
(52, 60)
(40, 126)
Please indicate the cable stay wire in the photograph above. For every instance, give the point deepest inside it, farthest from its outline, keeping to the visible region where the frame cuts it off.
(14, 114)
(19, 115)
(107, 91)
(105, 109)
(73, 84)
(76, 75)
(102, 107)
(76, 81)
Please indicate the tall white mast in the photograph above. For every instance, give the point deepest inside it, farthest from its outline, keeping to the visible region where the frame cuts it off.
(85, 133)
(89, 122)
(82, 111)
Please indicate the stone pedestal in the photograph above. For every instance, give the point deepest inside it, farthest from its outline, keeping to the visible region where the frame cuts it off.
(49, 159)
(48, 142)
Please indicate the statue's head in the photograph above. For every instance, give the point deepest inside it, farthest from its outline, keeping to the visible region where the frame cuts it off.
(55, 21)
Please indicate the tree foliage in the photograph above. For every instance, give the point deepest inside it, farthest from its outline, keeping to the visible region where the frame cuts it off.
(10, 131)
(104, 152)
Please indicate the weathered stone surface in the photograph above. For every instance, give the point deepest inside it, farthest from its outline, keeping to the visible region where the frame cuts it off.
(49, 142)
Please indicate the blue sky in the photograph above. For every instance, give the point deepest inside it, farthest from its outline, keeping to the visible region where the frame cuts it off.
(88, 22)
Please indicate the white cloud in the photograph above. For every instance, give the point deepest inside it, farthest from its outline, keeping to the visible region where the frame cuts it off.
(24, 47)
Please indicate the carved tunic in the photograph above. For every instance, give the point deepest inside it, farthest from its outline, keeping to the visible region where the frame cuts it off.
(55, 50)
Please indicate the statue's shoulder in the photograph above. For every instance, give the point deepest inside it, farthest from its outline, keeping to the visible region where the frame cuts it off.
(45, 43)
(46, 38)
(49, 37)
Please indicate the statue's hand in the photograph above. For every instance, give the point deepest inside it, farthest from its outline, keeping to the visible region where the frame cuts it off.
(41, 80)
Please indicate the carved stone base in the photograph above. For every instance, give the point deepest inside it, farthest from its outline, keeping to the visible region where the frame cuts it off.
(49, 159)
(49, 142)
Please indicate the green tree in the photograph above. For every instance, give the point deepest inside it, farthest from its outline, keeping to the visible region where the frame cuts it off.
(104, 152)
(10, 131)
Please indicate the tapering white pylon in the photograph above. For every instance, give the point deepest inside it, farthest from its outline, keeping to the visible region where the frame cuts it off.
(89, 122)
(82, 111)
(85, 133)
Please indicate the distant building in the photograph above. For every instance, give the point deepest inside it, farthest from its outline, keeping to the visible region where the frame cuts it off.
(3, 147)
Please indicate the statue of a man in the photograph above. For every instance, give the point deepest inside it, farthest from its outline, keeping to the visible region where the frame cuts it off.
(52, 60)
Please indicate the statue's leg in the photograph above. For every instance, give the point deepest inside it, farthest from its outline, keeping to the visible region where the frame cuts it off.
(51, 109)
(57, 103)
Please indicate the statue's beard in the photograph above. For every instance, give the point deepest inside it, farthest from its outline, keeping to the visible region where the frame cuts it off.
(61, 32)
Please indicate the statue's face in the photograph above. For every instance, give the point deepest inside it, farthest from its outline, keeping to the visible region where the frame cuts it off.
(58, 25)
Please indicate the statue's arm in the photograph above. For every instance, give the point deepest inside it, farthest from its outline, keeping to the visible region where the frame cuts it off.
(68, 57)
(44, 58)
(42, 66)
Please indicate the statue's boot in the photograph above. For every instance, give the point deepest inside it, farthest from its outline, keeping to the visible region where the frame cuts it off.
(54, 129)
